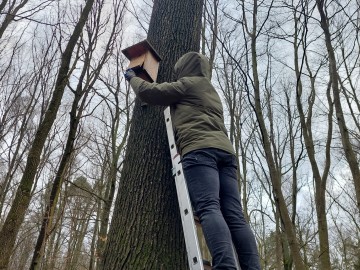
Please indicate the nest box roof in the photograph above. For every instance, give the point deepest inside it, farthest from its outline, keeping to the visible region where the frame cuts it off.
(139, 49)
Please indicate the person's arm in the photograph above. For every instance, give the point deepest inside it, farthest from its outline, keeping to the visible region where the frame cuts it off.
(158, 93)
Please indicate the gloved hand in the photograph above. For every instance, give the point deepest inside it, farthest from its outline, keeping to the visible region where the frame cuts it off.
(129, 73)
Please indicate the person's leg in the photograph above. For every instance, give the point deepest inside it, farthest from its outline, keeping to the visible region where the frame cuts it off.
(243, 238)
(202, 178)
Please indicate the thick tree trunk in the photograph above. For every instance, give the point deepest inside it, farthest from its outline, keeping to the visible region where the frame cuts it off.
(22, 199)
(145, 231)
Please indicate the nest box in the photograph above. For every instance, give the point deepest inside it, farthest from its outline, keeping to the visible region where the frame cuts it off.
(144, 60)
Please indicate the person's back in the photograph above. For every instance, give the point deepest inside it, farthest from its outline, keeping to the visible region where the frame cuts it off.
(208, 158)
(198, 115)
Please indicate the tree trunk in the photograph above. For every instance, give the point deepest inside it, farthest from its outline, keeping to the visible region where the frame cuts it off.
(344, 132)
(278, 244)
(146, 231)
(320, 181)
(46, 226)
(93, 255)
(10, 15)
(111, 179)
(274, 171)
(81, 231)
(22, 199)
(105, 212)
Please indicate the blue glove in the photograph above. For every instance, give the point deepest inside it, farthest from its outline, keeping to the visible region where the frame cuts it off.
(129, 74)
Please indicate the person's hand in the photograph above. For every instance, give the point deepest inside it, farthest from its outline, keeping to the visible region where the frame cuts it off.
(129, 74)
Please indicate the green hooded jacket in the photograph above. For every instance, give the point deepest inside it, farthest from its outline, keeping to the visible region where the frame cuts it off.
(196, 108)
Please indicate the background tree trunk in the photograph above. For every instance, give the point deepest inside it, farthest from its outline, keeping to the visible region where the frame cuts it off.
(114, 150)
(320, 181)
(146, 231)
(274, 169)
(23, 195)
(350, 154)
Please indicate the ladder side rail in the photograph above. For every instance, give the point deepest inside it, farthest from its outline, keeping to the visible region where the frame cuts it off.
(187, 217)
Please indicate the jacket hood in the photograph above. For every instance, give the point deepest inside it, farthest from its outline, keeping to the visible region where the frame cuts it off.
(192, 64)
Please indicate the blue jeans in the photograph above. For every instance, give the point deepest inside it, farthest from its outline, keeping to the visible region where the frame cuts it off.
(211, 177)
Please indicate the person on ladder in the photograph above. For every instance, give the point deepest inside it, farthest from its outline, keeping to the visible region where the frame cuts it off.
(208, 158)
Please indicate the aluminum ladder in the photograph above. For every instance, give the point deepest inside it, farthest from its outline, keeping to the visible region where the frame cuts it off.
(187, 218)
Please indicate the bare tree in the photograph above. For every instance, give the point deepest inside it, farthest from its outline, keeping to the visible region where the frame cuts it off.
(253, 30)
(79, 211)
(119, 105)
(21, 202)
(21, 100)
(300, 39)
(341, 121)
(86, 81)
(346, 233)
(211, 21)
(14, 10)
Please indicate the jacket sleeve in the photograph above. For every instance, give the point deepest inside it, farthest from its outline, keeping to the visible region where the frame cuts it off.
(158, 93)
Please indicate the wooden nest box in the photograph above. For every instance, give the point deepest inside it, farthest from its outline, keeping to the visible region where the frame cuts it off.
(144, 60)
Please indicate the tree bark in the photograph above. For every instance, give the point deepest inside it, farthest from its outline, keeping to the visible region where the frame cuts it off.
(146, 232)
(22, 199)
